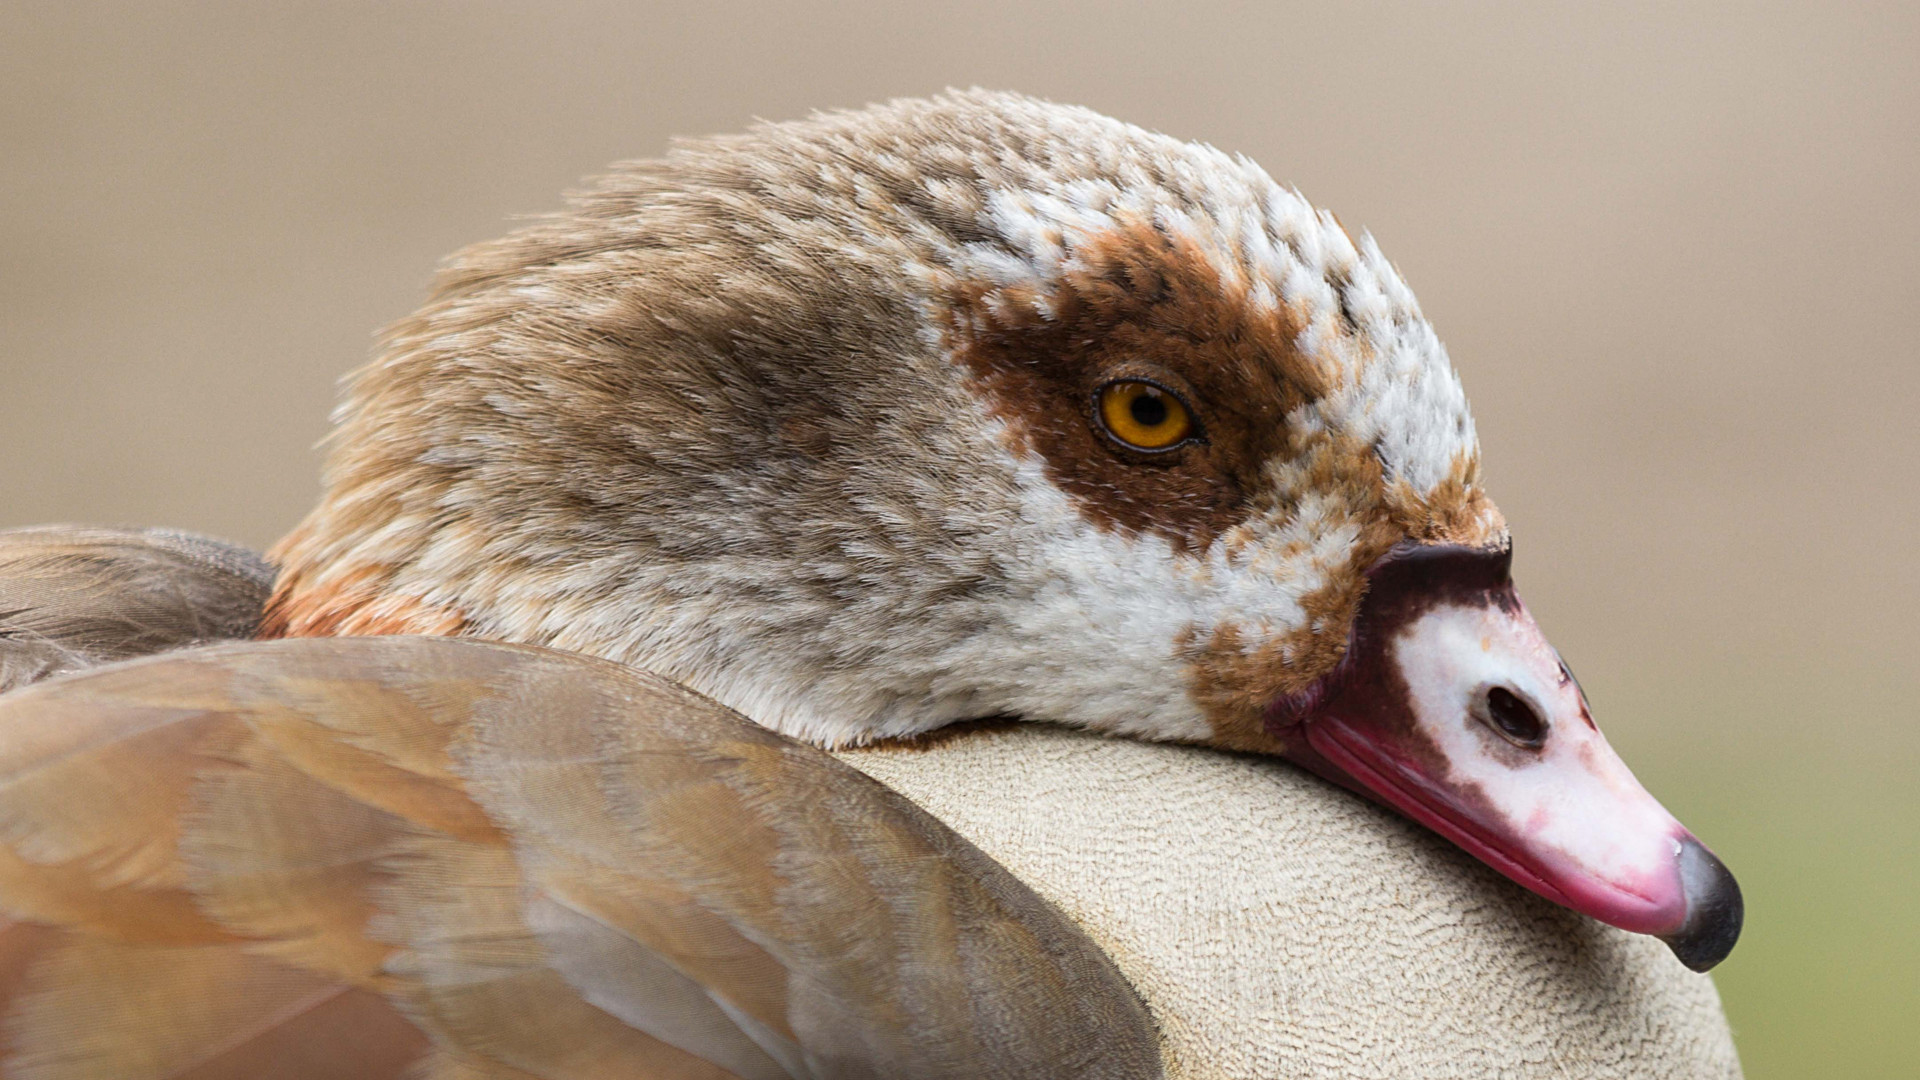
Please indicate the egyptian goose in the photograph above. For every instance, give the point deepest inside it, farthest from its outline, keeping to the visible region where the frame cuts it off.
(854, 427)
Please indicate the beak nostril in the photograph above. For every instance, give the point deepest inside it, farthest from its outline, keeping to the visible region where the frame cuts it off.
(1511, 716)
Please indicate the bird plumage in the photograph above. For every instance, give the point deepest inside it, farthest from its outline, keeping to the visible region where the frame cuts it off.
(547, 863)
(795, 418)
(72, 598)
(811, 425)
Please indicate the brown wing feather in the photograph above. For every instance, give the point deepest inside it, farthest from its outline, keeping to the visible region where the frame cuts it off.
(96, 1007)
(908, 952)
(550, 866)
(74, 597)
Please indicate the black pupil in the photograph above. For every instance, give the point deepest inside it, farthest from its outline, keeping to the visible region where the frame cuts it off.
(1515, 718)
(1149, 409)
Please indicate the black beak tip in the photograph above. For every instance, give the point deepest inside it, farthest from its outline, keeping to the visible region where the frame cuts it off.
(1714, 909)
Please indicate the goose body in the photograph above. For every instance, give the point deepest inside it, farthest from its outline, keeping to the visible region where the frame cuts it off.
(1312, 937)
(819, 439)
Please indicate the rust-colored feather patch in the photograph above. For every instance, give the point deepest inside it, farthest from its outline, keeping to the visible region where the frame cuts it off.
(351, 606)
(1141, 303)
(1235, 675)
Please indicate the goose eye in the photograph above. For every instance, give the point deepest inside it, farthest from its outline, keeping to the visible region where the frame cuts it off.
(1143, 416)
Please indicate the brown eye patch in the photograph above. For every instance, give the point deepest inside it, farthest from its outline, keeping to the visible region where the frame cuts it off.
(1143, 416)
(1139, 307)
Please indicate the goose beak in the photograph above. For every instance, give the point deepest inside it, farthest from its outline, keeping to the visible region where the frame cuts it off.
(1452, 708)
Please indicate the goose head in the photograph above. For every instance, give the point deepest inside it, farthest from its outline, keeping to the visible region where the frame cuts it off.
(982, 406)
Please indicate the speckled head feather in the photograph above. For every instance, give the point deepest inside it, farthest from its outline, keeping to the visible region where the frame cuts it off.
(801, 418)
(819, 421)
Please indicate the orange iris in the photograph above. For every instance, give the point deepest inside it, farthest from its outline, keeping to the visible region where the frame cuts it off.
(1143, 416)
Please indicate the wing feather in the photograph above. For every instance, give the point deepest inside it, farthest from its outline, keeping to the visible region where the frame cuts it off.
(95, 1007)
(906, 950)
(550, 866)
(74, 597)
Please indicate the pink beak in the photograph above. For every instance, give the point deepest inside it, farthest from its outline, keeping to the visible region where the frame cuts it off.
(1452, 708)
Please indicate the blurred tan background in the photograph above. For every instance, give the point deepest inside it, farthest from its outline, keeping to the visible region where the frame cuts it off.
(1674, 251)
